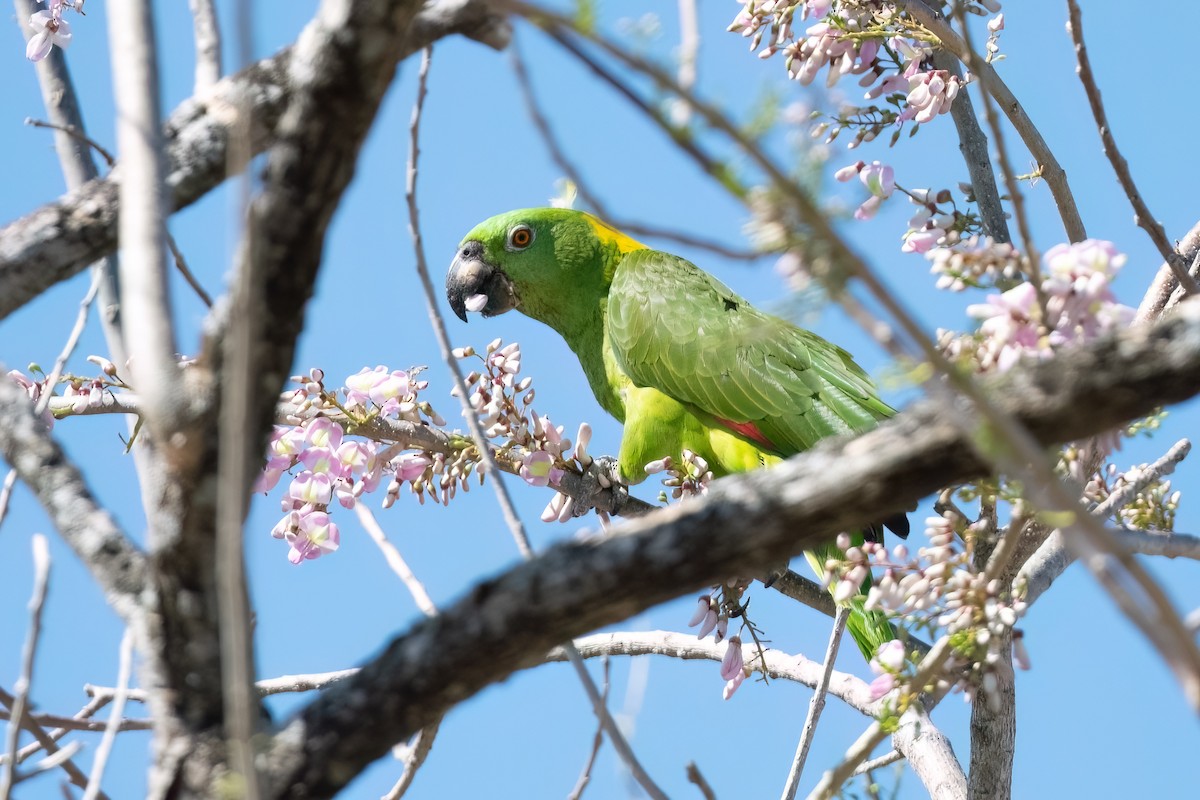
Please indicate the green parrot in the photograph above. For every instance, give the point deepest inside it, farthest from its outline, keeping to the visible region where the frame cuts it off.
(676, 356)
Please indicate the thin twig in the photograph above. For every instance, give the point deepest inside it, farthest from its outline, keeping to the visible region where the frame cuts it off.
(1052, 558)
(515, 525)
(6, 488)
(816, 705)
(422, 743)
(50, 745)
(41, 581)
(418, 751)
(1141, 212)
(585, 776)
(396, 561)
(877, 763)
(60, 363)
(694, 776)
(124, 670)
(64, 725)
(182, 265)
(74, 133)
(559, 157)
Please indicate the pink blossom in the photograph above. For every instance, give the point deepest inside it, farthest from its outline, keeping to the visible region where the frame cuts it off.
(321, 460)
(879, 178)
(703, 605)
(50, 29)
(267, 480)
(310, 487)
(929, 94)
(410, 466)
(732, 663)
(317, 536)
(390, 388)
(538, 469)
(323, 432)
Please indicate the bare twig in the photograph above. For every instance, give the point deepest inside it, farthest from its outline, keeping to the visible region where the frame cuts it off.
(64, 725)
(816, 705)
(74, 133)
(1141, 212)
(43, 738)
(41, 582)
(184, 270)
(507, 507)
(124, 670)
(877, 763)
(60, 363)
(10, 480)
(208, 44)
(694, 776)
(589, 197)
(689, 47)
(418, 751)
(421, 745)
(597, 740)
(395, 560)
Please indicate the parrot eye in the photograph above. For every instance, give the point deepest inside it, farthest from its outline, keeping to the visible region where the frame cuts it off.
(520, 237)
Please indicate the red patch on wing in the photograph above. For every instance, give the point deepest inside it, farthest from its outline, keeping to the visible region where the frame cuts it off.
(749, 430)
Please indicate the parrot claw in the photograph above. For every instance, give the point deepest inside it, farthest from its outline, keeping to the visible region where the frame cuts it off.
(600, 476)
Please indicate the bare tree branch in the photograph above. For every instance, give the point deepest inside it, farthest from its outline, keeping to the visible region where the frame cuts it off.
(58, 240)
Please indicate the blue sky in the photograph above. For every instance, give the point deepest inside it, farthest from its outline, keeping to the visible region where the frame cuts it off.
(1098, 715)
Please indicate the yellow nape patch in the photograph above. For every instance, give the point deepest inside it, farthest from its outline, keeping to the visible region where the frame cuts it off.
(611, 236)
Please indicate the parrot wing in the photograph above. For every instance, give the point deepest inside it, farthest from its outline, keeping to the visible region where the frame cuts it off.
(675, 328)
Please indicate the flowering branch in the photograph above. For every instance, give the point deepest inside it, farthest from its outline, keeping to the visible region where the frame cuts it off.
(1053, 557)
(61, 238)
(1056, 177)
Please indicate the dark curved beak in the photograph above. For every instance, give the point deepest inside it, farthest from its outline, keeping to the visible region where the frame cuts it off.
(473, 284)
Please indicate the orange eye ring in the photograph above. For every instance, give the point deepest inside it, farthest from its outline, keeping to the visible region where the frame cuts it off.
(520, 237)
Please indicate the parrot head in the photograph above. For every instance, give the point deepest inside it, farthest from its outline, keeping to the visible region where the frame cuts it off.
(548, 263)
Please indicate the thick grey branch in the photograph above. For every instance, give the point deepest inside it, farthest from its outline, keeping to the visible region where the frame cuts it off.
(118, 566)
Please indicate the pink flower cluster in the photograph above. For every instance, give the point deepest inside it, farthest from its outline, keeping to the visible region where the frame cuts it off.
(853, 38)
(326, 465)
(711, 617)
(49, 28)
(939, 589)
(689, 477)
(504, 405)
(1079, 306)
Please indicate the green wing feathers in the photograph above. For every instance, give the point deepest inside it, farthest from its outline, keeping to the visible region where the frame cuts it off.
(677, 329)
